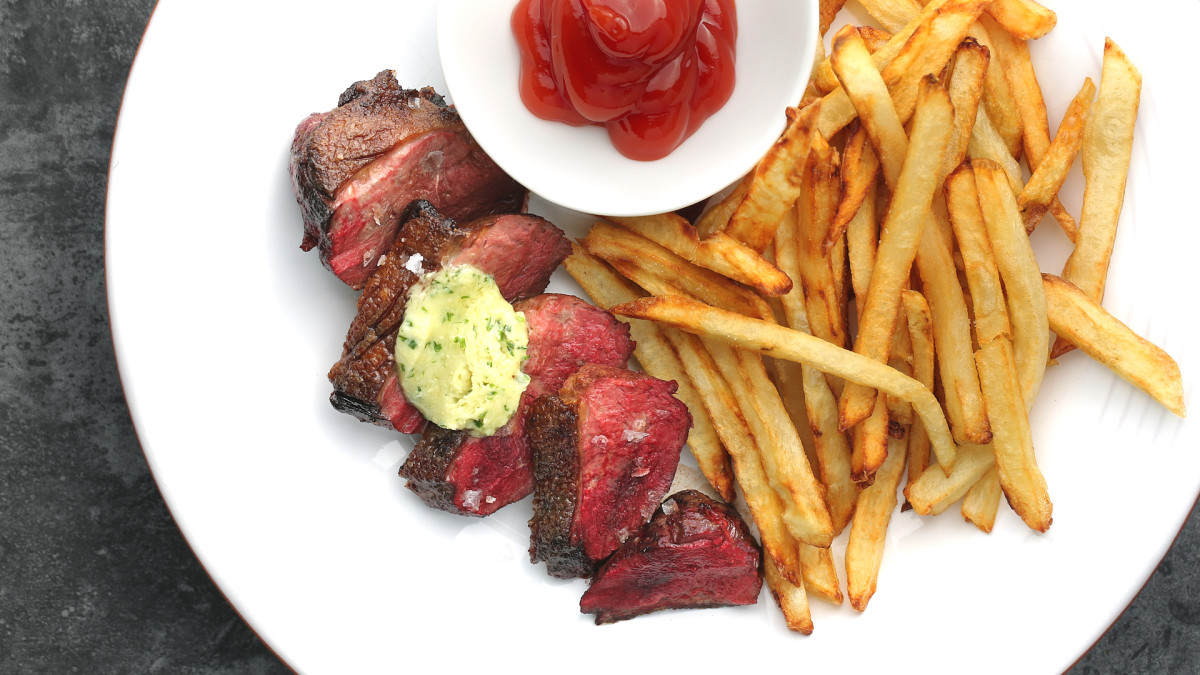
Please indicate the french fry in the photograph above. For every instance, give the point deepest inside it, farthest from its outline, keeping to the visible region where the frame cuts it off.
(830, 445)
(952, 337)
(648, 264)
(965, 88)
(820, 573)
(827, 10)
(815, 210)
(779, 342)
(986, 143)
(998, 99)
(980, 503)
(1020, 272)
(894, 15)
(716, 218)
(920, 332)
(1079, 319)
(899, 239)
(791, 598)
(860, 167)
(871, 100)
(1042, 187)
(717, 252)
(1012, 440)
(983, 277)
(658, 358)
(775, 183)
(869, 442)
(1013, 56)
(864, 550)
(935, 490)
(1024, 19)
(780, 450)
(1107, 149)
(765, 507)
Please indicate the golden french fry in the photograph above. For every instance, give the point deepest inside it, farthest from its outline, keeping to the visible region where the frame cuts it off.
(869, 442)
(716, 218)
(862, 239)
(1013, 55)
(828, 10)
(779, 446)
(966, 87)
(1024, 19)
(934, 490)
(775, 183)
(894, 15)
(860, 167)
(820, 573)
(1012, 440)
(998, 99)
(871, 100)
(983, 277)
(920, 332)
(766, 509)
(791, 598)
(829, 444)
(980, 503)
(815, 211)
(952, 336)
(659, 271)
(864, 550)
(1079, 319)
(779, 342)
(717, 252)
(1041, 189)
(1107, 149)
(658, 358)
(900, 236)
(986, 143)
(874, 38)
(1021, 275)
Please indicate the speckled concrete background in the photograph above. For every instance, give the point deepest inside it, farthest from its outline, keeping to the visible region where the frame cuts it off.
(94, 575)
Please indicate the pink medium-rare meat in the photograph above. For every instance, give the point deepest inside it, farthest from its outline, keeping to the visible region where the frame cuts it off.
(454, 471)
(356, 168)
(604, 454)
(695, 552)
(520, 251)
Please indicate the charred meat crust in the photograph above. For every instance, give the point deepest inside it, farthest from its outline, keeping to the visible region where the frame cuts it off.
(356, 168)
(425, 472)
(695, 552)
(553, 436)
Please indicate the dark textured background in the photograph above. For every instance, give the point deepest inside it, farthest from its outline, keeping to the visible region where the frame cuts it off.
(94, 575)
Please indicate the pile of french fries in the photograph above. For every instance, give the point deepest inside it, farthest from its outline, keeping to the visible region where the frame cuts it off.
(864, 311)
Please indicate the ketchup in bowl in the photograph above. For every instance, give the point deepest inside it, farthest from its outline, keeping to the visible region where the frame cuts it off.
(649, 71)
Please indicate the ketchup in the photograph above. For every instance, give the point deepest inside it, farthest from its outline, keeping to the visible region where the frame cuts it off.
(649, 71)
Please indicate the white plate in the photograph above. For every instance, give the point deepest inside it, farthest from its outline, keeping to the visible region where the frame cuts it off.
(224, 332)
(578, 167)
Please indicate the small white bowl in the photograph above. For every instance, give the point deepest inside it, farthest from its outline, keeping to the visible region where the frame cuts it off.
(577, 167)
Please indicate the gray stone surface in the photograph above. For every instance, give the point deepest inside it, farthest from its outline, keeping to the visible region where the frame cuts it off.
(94, 575)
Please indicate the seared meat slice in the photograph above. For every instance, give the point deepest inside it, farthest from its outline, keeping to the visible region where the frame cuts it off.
(520, 251)
(604, 453)
(356, 168)
(460, 473)
(695, 552)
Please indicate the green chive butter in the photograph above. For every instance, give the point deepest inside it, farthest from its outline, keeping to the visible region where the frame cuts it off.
(459, 351)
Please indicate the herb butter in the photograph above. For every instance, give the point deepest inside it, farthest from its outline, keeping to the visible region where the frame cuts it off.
(459, 351)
